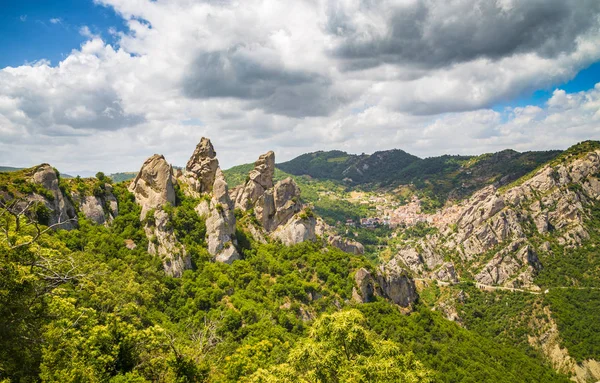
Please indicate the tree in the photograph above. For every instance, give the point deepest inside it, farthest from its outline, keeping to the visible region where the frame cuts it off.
(340, 348)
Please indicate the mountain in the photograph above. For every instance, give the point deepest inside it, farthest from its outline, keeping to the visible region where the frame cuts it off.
(8, 169)
(437, 178)
(123, 176)
(179, 275)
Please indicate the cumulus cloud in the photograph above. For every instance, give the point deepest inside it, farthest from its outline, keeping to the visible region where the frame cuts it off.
(435, 34)
(297, 76)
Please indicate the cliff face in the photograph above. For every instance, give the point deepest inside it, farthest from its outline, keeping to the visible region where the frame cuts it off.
(391, 281)
(153, 185)
(101, 209)
(492, 231)
(277, 207)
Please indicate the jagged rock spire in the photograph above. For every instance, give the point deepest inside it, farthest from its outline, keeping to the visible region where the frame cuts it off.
(260, 179)
(202, 167)
(153, 185)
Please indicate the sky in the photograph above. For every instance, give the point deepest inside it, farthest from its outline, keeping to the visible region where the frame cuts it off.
(100, 85)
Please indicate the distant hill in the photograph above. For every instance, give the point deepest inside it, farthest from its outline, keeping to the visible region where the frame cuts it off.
(440, 177)
(123, 176)
(8, 169)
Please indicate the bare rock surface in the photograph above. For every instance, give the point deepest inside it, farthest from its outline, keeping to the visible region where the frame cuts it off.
(153, 185)
(164, 244)
(396, 284)
(201, 169)
(60, 207)
(553, 199)
(365, 289)
(220, 221)
(277, 207)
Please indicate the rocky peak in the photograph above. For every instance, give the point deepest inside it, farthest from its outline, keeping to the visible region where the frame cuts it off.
(492, 229)
(202, 167)
(276, 207)
(220, 221)
(260, 179)
(61, 209)
(153, 185)
(264, 169)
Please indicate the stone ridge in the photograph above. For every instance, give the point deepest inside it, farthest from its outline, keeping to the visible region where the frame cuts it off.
(275, 206)
(490, 231)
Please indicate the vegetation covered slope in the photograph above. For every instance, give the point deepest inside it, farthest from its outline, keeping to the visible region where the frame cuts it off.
(437, 178)
(91, 305)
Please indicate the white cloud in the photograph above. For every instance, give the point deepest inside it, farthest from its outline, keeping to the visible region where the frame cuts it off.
(55, 20)
(271, 74)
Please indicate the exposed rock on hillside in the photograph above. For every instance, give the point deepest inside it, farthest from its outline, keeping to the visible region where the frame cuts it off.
(276, 207)
(163, 243)
(347, 245)
(220, 221)
(260, 179)
(498, 226)
(365, 289)
(100, 210)
(201, 168)
(396, 284)
(153, 185)
(391, 282)
(296, 230)
(60, 208)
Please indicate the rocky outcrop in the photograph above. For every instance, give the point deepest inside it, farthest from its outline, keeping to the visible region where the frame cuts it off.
(498, 224)
(260, 179)
(201, 169)
(98, 209)
(347, 245)
(153, 185)
(59, 206)
(518, 260)
(297, 229)
(446, 273)
(220, 221)
(396, 284)
(163, 243)
(276, 207)
(365, 289)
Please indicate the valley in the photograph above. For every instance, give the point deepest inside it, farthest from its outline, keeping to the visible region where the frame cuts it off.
(231, 273)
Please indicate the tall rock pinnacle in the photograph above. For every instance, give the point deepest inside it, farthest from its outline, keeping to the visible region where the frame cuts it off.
(202, 167)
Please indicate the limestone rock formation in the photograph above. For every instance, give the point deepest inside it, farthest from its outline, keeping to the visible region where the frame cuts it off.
(276, 207)
(153, 185)
(508, 262)
(220, 221)
(396, 284)
(260, 179)
(365, 289)
(100, 210)
(347, 245)
(60, 208)
(447, 273)
(554, 200)
(163, 243)
(297, 229)
(201, 169)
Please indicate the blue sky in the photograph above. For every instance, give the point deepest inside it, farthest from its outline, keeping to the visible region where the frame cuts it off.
(428, 77)
(584, 80)
(27, 33)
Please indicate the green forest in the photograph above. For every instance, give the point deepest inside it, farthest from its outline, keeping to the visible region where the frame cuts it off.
(80, 306)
